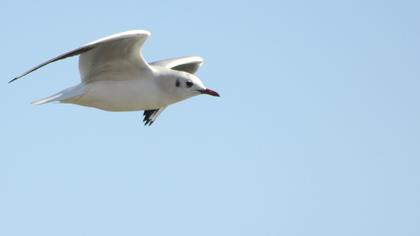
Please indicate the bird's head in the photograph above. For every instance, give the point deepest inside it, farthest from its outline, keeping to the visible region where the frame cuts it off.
(184, 85)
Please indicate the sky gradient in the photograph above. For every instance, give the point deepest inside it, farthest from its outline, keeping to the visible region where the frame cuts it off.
(316, 132)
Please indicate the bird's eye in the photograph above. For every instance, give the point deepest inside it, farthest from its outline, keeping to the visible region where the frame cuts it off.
(177, 83)
(189, 84)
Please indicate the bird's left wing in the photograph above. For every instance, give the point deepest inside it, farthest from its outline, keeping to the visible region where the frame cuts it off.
(102, 53)
(186, 64)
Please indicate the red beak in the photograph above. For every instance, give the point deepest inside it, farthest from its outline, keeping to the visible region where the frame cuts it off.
(209, 92)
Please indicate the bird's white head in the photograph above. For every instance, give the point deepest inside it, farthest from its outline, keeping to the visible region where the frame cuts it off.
(183, 85)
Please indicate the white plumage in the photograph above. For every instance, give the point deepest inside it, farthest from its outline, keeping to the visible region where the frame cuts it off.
(115, 77)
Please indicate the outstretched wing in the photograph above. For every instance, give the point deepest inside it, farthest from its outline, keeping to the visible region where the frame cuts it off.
(113, 53)
(186, 64)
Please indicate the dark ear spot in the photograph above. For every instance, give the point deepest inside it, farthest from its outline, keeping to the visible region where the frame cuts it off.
(177, 83)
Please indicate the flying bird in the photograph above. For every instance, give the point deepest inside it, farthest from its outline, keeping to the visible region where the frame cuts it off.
(115, 77)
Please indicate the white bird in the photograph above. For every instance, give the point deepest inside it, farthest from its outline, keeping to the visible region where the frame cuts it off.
(115, 77)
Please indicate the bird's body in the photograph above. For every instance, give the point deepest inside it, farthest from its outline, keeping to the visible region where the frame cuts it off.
(120, 94)
(115, 77)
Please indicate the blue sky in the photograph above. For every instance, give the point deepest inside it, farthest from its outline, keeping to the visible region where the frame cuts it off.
(316, 131)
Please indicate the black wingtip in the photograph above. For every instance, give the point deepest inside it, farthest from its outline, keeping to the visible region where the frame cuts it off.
(148, 122)
(147, 116)
(13, 80)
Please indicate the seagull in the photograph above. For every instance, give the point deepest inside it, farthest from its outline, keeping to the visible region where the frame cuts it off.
(115, 77)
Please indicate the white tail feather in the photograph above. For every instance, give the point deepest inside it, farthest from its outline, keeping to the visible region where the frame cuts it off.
(66, 94)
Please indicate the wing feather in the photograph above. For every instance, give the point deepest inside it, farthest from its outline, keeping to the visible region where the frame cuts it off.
(186, 64)
(118, 49)
(116, 53)
(72, 53)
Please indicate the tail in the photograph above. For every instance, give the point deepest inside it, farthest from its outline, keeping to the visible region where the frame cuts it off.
(67, 94)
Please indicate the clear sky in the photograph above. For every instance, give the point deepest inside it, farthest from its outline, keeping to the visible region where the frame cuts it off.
(316, 132)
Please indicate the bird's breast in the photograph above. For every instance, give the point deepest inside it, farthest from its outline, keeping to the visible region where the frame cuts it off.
(123, 95)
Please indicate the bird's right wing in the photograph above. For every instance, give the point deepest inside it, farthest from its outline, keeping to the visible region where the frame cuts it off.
(113, 53)
(116, 53)
(72, 53)
(186, 64)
